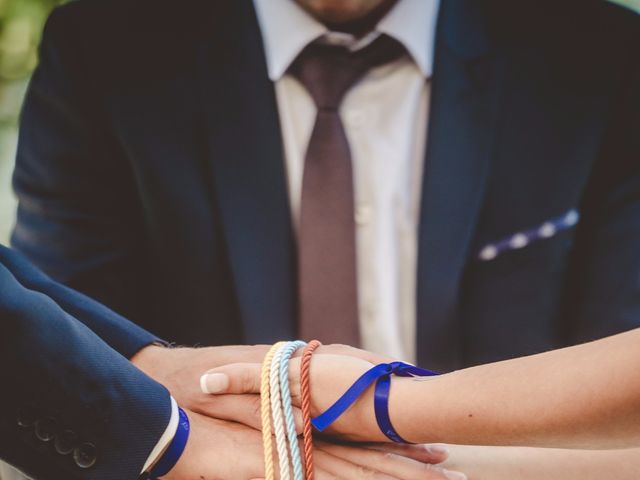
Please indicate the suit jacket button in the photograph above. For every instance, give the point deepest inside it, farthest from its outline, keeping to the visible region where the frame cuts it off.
(46, 429)
(85, 455)
(65, 442)
(26, 417)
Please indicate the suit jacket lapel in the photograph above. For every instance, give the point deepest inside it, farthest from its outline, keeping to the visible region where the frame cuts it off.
(248, 172)
(464, 106)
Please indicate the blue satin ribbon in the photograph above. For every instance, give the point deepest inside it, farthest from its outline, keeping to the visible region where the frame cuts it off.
(382, 373)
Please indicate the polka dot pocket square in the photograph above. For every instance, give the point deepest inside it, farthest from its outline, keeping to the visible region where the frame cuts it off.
(521, 239)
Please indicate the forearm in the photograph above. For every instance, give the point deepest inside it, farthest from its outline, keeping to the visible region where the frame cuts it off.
(521, 463)
(60, 374)
(586, 396)
(121, 334)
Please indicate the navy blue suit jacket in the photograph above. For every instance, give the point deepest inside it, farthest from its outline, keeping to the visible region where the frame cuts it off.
(68, 398)
(150, 173)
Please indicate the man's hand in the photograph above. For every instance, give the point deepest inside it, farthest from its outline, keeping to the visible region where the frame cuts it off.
(229, 451)
(180, 369)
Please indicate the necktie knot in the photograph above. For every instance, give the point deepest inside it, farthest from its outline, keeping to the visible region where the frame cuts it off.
(329, 71)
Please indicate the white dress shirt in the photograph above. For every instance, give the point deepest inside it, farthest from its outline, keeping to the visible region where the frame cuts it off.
(385, 118)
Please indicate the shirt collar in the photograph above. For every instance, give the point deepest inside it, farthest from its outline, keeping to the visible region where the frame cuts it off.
(286, 29)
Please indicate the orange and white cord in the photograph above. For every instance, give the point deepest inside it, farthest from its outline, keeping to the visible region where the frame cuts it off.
(305, 393)
(265, 407)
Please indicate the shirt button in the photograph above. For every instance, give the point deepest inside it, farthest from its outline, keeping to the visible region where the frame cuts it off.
(46, 429)
(65, 442)
(85, 455)
(363, 215)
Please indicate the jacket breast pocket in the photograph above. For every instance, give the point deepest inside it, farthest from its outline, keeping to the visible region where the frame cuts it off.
(544, 246)
(523, 239)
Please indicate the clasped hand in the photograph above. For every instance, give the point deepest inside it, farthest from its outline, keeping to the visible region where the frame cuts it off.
(225, 441)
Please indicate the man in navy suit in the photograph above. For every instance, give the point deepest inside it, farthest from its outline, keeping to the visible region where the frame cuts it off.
(482, 184)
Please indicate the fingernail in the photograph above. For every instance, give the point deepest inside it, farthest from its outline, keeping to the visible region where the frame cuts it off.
(214, 383)
(454, 475)
(438, 449)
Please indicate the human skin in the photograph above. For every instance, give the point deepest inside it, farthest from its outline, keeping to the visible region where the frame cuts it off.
(522, 463)
(238, 450)
(587, 397)
(525, 463)
(179, 370)
(230, 451)
(342, 11)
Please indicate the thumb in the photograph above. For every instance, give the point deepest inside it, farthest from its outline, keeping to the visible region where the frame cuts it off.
(236, 378)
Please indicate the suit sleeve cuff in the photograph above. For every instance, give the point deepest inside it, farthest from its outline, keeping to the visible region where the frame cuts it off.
(165, 439)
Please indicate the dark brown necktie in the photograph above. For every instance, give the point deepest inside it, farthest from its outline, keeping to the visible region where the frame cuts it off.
(326, 235)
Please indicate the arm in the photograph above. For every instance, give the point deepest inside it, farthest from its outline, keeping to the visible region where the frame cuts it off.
(585, 396)
(122, 335)
(68, 399)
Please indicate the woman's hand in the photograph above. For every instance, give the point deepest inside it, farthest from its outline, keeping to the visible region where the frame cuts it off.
(331, 376)
(179, 369)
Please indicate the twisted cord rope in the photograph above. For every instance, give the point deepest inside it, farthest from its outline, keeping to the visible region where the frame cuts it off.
(305, 393)
(278, 415)
(265, 410)
(287, 407)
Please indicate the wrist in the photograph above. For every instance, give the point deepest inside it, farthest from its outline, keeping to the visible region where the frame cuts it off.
(365, 418)
(147, 359)
(409, 399)
(401, 399)
(330, 383)
(357, 423)
(157, 360)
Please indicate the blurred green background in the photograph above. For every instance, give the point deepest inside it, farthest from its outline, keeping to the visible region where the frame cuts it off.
(21, 24)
